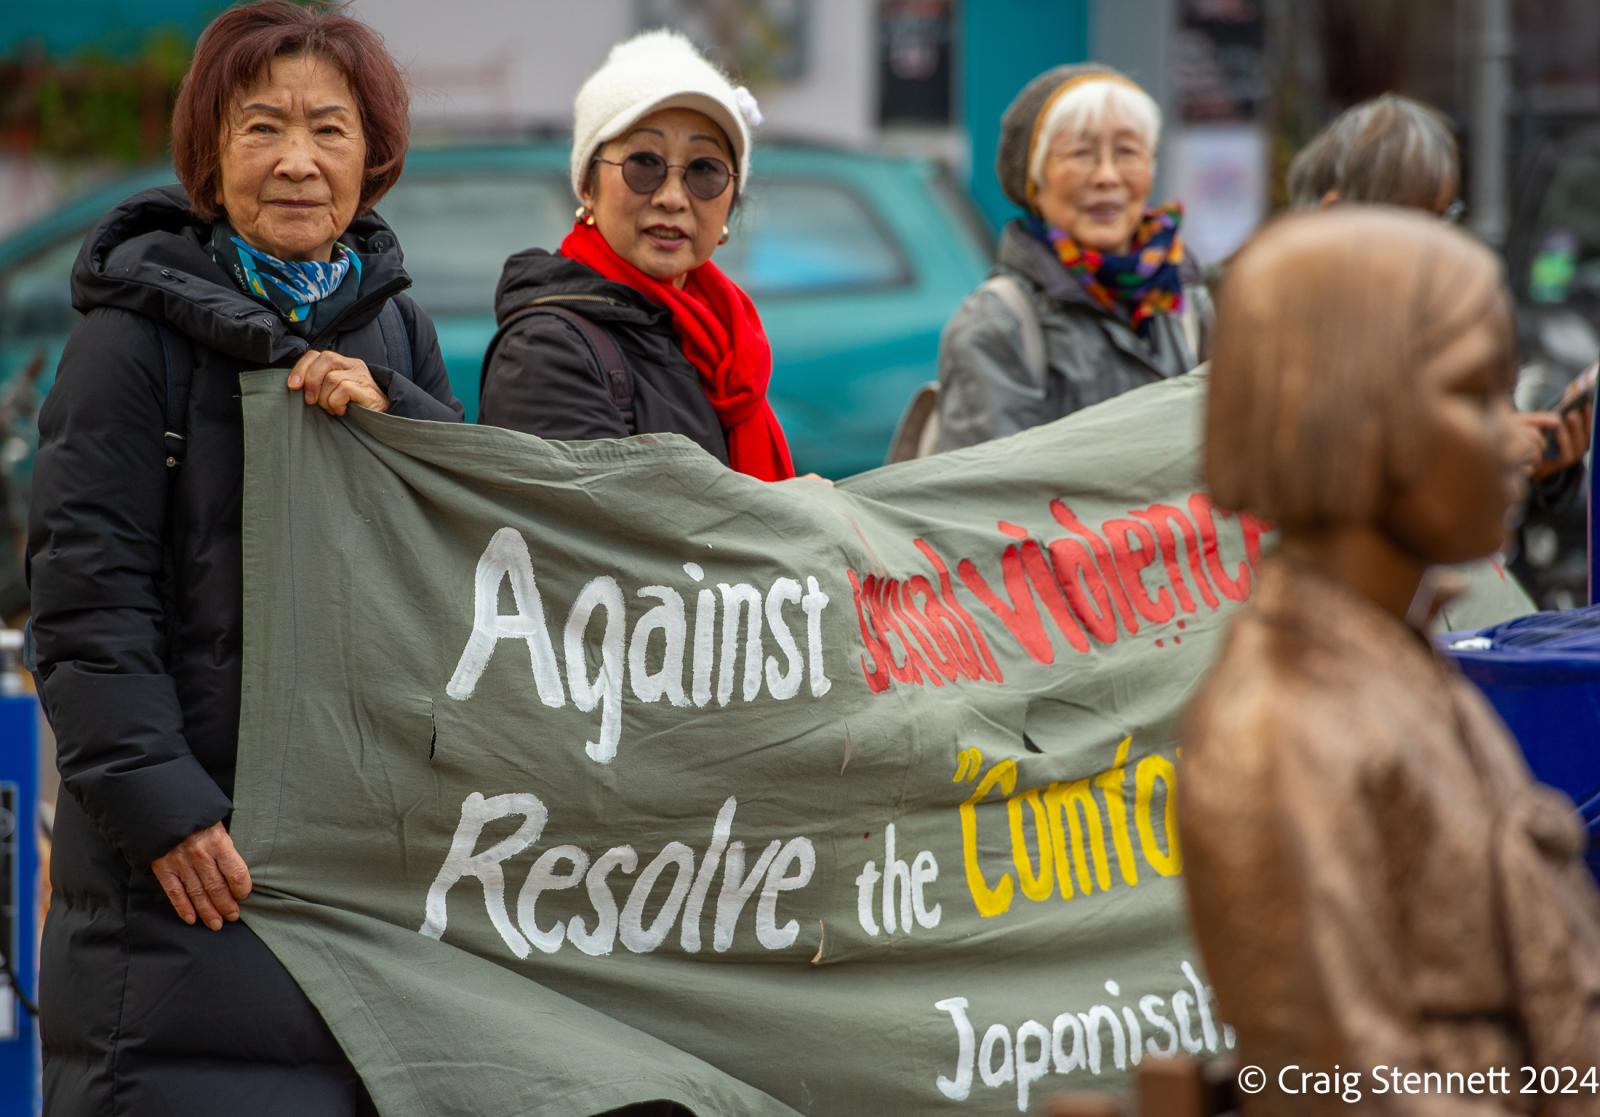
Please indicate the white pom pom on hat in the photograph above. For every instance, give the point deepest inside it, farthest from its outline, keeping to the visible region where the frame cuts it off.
(657, 70)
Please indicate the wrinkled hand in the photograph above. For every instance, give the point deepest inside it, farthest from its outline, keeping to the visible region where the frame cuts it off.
(334, 382)
(204, 876)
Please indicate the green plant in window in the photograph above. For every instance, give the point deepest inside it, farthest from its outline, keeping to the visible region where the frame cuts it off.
(93, 105)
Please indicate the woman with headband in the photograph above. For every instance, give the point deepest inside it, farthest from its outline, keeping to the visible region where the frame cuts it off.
(628, 327)
(1092, 294)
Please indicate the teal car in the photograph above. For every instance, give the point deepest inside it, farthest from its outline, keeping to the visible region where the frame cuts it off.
(854, 260)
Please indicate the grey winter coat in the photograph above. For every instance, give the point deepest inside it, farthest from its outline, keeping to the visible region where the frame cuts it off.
(987, 389)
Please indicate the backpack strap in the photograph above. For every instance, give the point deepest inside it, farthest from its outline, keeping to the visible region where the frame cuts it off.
(916, 435)
(396, 339)
(178, 358)
(177, 355)
(602, 348)
(1007, 288)
(1195, 318)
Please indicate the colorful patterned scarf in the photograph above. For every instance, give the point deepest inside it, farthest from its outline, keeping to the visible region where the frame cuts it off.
(302, 291)
(1139, 284)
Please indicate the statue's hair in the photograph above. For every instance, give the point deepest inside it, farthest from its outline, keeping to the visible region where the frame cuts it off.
(1390, 150)
(1323, 325)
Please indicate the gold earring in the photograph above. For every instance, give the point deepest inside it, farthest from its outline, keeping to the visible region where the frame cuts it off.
(724, 239)
(585, 215)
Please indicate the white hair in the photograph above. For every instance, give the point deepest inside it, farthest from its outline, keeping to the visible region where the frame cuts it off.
(1082, 111)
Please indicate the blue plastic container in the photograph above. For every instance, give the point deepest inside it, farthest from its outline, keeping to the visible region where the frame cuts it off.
(1542, 675)
(19, 898)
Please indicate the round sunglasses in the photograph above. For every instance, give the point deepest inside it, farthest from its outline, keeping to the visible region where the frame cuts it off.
(645, 172)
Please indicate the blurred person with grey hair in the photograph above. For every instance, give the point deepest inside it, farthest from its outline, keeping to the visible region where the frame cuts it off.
(1390, 150)
(1394, 151)
(1092, 293)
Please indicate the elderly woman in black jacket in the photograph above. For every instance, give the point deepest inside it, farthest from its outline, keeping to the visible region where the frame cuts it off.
(289, 126)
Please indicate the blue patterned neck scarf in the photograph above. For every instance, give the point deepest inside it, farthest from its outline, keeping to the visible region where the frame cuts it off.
(303, 292)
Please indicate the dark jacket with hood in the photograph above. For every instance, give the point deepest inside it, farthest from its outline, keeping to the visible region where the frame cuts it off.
(137, 599)
(987, 389)
(542, 377)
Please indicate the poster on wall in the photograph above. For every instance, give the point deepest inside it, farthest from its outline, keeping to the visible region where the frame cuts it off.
(914, 61)
(1221, 70)
(1220, 172)
(1219, 156)
(760, 42)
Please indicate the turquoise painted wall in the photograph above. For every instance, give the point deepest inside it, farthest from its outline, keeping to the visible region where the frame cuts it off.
(1004, 45)
(117, 27)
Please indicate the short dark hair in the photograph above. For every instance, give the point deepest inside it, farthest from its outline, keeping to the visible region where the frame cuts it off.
(240, 43)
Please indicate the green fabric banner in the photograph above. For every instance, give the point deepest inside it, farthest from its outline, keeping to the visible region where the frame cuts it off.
(575, 775)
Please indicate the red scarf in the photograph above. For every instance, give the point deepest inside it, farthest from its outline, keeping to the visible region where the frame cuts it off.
(721, 335)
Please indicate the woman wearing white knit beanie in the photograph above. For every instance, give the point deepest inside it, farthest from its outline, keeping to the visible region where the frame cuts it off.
(629, 327)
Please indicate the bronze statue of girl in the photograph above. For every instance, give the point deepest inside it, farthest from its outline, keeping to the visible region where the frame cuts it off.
(1375, 879)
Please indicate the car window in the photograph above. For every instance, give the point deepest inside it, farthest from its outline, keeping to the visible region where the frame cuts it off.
(802, 236)
(793, 237)
(1565, 258)
(36, 299)
(457, 230)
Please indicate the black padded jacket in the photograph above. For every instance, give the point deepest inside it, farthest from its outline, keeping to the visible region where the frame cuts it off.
(543, 379)
(137, 598)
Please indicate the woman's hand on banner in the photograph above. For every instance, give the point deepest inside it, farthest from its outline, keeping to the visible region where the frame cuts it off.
(204, 877)
(333, 382)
